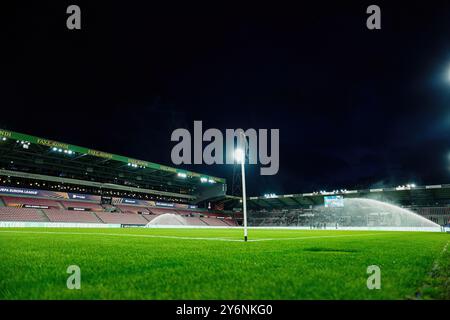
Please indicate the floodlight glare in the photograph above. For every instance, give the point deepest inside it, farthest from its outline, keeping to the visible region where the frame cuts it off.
(239, 155)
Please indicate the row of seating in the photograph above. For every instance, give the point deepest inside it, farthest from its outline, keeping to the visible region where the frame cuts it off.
(214, 222)
(424, 211)
(71, 216)
(21, 214)
(53, 204)
(128, 215)
(66, 204)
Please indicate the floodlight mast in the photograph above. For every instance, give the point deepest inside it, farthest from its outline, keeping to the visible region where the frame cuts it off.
(244, 192)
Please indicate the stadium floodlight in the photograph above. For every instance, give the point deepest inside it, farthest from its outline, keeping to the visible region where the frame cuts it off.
(239, 155)
(182, 175)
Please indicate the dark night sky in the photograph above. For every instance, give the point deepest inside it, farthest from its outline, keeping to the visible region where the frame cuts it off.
(355, 108)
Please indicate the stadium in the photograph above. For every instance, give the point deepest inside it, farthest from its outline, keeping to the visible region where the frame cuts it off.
(129, 223)
(206, 159)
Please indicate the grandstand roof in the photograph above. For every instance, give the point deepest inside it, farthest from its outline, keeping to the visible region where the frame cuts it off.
(33, 157)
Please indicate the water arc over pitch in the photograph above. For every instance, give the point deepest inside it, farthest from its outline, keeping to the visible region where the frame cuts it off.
(361, 212)
(168, 219)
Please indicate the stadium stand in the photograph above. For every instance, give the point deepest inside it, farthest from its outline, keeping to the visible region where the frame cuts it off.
(161, 210)
(84, 205)
(21, 214)
(122, 218)
(149, 217)
(184, 212)
(21, 202)
(131, 209)
(230, 222)
(440, 215)
(57, 178)
(214, 222)
(57, 211)
(194, 221)
(71, 216)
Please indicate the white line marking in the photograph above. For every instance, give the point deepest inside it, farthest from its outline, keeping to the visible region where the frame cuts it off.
(187, 238)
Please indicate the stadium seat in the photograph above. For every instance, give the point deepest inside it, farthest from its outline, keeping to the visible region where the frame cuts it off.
(21, 214)
(194, 221)
(80, 204)
(150, 217)
(214, 222)
(161, 210)
(230, 222)
(122, 218)
(131, 209)
(71, 216)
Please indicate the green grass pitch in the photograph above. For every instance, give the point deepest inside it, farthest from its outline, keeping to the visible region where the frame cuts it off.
(142, 263)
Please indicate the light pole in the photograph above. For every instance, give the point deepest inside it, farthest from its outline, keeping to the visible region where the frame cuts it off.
(240, 156)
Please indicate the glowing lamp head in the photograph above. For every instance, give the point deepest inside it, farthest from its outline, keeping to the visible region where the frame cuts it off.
(239, 155)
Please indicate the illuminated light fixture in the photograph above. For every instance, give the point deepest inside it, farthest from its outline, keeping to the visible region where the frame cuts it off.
(182, 175)
(4, 139)
(70, 152)
(55, 149)
(211, 181)
(203, 180)
(60, 150)
(239, 155)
